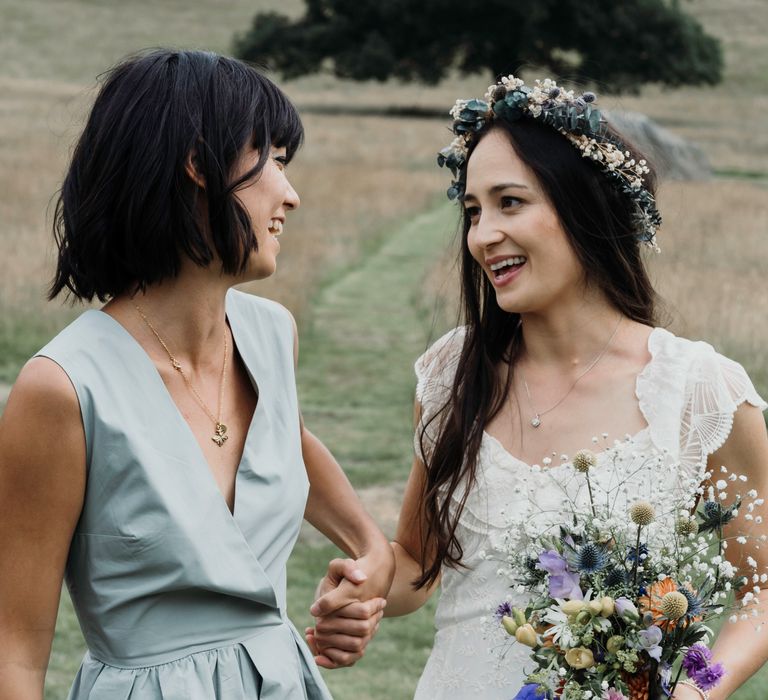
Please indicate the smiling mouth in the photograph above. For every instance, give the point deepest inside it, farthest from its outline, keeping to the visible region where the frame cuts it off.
(275, 227)
(503, 268)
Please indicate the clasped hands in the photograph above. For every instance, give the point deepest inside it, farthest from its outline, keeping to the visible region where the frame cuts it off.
(349, 604)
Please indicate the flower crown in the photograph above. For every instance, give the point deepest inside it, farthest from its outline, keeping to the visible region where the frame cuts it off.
(574, 117)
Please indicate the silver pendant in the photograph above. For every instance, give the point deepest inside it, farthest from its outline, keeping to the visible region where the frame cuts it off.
(535, 421)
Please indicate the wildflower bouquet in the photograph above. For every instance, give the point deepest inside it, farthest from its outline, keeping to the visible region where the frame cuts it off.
(619, 592)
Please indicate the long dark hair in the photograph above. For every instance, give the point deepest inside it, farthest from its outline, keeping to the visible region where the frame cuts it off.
(127, 211)
(597, 220)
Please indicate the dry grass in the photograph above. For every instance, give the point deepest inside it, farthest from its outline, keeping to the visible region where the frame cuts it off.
(357, 174)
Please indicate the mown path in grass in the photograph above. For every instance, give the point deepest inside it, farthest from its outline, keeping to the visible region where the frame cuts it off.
(356, 385)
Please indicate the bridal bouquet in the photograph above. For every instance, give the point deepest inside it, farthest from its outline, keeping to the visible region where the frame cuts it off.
(619, 596)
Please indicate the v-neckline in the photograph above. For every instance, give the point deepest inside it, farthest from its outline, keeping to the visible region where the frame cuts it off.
(174, 409)
(641, 375)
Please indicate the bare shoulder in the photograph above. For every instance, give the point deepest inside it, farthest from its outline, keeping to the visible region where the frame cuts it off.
(40, 383)
(746, 447)
(41, 429)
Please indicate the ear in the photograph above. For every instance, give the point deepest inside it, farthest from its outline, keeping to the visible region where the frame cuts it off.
(192, 168)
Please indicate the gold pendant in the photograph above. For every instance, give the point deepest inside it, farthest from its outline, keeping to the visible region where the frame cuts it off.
(221, 434)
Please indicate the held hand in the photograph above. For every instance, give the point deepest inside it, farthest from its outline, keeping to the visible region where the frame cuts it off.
(348, 613)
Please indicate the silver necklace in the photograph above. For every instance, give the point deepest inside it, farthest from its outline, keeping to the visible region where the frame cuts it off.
(536, 420)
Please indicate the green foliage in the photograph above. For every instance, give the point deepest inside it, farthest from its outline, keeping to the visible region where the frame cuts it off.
(620, 45)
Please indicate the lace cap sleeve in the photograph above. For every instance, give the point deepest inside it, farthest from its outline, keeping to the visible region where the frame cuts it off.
(435, 372)
(716, 387)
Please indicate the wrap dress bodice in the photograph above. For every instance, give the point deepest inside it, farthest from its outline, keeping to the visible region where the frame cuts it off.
(177, 597)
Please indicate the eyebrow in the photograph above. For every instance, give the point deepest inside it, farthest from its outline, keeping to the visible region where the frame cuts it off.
(496, 188)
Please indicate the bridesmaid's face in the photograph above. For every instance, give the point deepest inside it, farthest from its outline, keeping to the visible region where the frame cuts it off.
(515, 233)
(267, 198)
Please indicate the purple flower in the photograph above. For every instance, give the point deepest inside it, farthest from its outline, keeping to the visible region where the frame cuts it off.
(697, 658)
(708, 677)
(504, 609)
(532, 691)
(626, 608)
(565, 586)
(552, 562)
(562, 583)
(648, 640)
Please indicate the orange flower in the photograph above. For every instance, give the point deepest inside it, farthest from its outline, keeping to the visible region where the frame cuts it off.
(651, 602)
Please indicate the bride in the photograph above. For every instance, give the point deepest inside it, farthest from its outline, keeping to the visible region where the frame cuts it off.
(560, 343)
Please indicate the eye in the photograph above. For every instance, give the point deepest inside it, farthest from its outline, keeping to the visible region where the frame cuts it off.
(282, 161)
(509, 201)
(472, 212)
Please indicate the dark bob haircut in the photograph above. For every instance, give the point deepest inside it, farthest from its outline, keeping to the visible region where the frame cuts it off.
(128, 209)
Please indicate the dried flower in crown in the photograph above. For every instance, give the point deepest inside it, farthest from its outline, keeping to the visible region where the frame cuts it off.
(576, 118)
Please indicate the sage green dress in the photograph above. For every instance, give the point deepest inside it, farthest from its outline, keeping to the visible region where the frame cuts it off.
(179, 599)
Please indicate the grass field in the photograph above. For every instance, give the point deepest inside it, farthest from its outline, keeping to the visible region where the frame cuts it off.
(366, 273)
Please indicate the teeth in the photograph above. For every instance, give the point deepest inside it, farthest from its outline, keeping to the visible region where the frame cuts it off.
(517, 260)
(276, 227)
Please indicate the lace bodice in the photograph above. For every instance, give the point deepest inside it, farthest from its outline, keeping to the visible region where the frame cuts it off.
(687, 393)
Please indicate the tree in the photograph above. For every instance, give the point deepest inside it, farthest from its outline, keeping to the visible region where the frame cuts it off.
(618, 44)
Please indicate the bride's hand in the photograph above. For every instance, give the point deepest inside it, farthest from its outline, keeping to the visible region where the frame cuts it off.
(348, 610)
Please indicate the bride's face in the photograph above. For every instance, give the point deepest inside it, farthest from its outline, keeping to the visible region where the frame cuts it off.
(515, 233)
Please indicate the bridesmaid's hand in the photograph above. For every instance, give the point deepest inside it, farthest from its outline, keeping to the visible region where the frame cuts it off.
(347, 615)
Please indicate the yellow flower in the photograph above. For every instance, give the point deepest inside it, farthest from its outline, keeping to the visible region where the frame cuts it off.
(572, 607)
(525, 634)
(608, 606)
(509, 624)
(579, 658)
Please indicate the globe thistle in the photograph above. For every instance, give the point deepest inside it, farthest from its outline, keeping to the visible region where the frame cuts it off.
(584, 460)
(590, 558)
(642, 513)
(615, 578)
(695, 603)
(687, 525)
(674, 605)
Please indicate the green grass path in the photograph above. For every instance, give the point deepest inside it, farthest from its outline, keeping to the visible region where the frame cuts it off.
(365, 329)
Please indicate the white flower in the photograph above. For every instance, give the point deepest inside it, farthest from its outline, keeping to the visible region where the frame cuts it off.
(721, 485)
(457, 107)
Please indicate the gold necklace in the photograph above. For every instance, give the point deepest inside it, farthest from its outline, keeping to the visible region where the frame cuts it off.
(536, 420)
(220, 436)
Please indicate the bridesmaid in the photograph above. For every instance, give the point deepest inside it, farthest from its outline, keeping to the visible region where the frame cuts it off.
(153, 453)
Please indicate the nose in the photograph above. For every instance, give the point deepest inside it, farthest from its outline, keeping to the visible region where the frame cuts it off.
(488, 231)
(291, 200)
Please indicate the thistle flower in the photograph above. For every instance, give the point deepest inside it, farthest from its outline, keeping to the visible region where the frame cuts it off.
(584, 460)
(590, 558)
(642, 513)
(686, 525)
(674, 605)
(615, 578)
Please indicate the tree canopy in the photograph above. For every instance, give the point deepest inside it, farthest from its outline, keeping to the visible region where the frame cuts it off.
(620, 45)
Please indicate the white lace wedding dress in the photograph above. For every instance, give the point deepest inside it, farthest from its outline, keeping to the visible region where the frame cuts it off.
(687, 393)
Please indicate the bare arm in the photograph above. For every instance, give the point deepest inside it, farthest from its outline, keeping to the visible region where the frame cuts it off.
(352, 596)
(739, 647)
(42, 484)
(403, 598)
